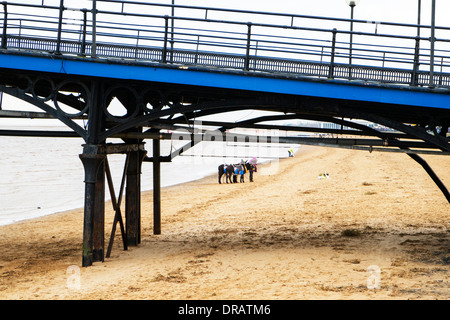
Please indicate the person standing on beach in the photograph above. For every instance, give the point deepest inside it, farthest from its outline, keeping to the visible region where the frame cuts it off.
(252, 167)
(291, 152)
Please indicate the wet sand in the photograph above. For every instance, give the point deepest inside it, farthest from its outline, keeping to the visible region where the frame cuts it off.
(378, 228)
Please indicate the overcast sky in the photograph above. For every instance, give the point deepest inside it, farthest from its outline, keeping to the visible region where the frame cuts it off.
(373, 10)
(377, 10)
(401, 11)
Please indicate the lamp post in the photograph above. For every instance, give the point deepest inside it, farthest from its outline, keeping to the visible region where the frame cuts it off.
(172, 31)
(433, 39)
(414, 78)
(94, 29)
(419, 14)
(60, 21)
(352, 4)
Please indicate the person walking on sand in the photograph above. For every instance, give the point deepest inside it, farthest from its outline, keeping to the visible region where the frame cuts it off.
(291, 152)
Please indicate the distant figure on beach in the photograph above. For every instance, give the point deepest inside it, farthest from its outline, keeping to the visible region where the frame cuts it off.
(291, 152)
(324, 175)
(252, 167)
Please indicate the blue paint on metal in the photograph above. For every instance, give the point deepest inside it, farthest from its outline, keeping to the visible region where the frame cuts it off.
(230, 80)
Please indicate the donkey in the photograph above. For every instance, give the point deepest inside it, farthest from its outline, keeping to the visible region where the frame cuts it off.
(228, 171)
(239, 170)
(242, 169)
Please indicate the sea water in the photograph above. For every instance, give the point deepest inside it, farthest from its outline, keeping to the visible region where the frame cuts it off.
(41, 176)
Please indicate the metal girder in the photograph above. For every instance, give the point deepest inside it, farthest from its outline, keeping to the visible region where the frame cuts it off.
(24, 114)
(55, 113)
(360, 130)
(432, 174)
(416, 131)
(158, 114)
(37, 133)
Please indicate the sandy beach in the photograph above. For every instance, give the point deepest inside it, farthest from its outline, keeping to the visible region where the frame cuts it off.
(378, 228)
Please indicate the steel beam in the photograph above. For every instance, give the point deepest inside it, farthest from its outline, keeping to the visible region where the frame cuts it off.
(36, 133)
(24, 114)
(249, 125)
(432, 175)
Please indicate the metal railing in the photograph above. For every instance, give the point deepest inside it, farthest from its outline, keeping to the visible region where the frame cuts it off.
(225, 39)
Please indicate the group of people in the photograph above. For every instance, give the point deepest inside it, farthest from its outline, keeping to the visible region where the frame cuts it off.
(233, 171)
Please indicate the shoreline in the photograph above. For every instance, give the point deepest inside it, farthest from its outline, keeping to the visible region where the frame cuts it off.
(144, 193)
(288, 235)
(58, 209)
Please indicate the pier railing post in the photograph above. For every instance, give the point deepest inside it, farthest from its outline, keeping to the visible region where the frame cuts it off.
(247, 53)
(58, 42)
(5, 25)
(94, 29)
(333, 54)
(83, 41)
(166, 39)
(415, 76)
(94, 208)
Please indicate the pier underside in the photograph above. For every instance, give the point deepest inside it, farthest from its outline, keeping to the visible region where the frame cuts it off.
(151, 109)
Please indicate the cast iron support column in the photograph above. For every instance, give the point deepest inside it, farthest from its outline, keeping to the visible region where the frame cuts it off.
(94, 154)
(156, 187)
(94, 207)
(131, 219)
(141, 154)
(132, 197)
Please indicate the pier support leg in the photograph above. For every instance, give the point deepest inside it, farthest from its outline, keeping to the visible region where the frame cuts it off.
(156, 187)
(432, 175)
(133, 198)
(94, 208)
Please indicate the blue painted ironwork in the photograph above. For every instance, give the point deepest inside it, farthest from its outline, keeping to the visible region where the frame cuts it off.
(234, 80)
(219, 41)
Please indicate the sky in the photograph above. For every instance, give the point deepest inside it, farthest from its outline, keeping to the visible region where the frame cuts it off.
(372, 10)
(401, 11)
(404, 11)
